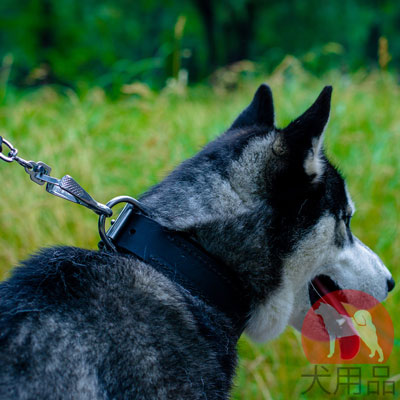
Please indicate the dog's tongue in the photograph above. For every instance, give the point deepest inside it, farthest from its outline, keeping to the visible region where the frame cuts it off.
(349, 345)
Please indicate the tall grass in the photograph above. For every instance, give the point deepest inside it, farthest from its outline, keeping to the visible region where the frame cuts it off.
(123, 147)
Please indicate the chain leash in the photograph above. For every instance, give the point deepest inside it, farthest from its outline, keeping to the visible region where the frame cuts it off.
(68, 189)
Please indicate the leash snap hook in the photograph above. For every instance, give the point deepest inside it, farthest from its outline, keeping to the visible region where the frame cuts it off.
(69, 189)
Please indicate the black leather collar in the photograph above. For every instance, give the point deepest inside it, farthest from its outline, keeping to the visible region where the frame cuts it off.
(182, 260)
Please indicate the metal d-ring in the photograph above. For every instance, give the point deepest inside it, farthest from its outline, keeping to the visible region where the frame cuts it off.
(102, 218)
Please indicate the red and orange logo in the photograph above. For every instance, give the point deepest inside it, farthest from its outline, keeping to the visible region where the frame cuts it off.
(347, 326)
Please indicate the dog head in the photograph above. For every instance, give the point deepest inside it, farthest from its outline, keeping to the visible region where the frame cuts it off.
(269, 203)
(362, 318)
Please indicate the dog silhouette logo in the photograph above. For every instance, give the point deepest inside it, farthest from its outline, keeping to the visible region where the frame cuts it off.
(360, 325)
(362, 320)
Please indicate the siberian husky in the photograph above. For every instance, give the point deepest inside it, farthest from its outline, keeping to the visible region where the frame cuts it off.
(263, 201)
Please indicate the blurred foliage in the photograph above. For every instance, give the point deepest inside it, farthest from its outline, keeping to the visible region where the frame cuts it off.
(129, 49)
(114, 147)
(110, 44)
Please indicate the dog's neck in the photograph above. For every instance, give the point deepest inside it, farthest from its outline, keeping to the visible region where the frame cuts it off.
(232, 239)
(176, 256)
(217, 199)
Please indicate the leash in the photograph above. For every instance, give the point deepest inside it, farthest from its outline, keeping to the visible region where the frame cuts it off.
(67, 188)
(172, 253)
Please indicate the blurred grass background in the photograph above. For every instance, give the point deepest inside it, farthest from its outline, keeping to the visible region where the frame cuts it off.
(125, 146)
(117, 93)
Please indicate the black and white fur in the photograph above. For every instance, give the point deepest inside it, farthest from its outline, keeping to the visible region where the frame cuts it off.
(80, 324)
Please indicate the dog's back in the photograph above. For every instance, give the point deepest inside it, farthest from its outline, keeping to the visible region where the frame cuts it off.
(82, 324)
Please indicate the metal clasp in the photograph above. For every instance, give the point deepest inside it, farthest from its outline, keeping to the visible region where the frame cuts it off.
(69, 189)
(107, 237)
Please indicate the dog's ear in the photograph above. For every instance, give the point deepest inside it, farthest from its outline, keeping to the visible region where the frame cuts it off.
(302, 139)
(259, 112)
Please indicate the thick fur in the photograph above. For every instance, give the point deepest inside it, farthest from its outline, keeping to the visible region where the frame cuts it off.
(81, 324)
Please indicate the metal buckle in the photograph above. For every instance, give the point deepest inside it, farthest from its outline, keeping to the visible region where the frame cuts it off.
(106, 237)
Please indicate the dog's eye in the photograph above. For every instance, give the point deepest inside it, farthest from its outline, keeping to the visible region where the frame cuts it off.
(346, 220)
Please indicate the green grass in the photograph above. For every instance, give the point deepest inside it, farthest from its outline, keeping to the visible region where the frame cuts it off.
(114, 148)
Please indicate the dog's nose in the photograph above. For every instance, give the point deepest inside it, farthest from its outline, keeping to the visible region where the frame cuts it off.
(390, 284)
